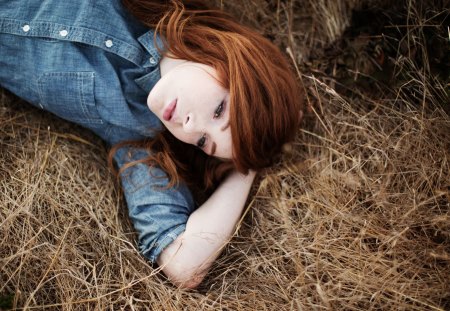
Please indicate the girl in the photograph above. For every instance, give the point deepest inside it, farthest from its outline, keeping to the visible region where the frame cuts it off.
(189, 98)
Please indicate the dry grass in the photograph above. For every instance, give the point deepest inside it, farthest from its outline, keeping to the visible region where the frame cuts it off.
(356, 216)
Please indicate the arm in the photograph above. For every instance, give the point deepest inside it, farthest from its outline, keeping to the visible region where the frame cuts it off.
(187, 260)
(159, 214)
(184, 241)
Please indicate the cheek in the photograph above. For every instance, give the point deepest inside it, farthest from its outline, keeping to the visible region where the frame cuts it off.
(180, 134)
(226, 147)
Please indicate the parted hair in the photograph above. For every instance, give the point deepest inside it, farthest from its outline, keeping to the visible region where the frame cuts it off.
(265, 98)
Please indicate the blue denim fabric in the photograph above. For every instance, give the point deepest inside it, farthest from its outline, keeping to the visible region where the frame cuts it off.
(159, 215)
(92, 63)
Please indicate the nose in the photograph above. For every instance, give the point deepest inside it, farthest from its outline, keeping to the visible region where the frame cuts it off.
(189, 123)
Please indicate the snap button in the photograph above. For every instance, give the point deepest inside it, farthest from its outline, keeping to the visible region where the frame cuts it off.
(152, 60)
(108, 43)
(26, 28)
(63, 33)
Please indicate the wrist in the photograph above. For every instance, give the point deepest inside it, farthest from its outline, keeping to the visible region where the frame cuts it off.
(244, 178)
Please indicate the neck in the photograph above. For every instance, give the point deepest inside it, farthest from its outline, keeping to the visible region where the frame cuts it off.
(167, 63)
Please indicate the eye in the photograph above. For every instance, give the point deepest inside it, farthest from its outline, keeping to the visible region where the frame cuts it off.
(219, 110)
(202, 142)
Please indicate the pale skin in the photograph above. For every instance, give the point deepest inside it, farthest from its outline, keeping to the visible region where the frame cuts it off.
(201, 113)
(200, 117)
(187, 260)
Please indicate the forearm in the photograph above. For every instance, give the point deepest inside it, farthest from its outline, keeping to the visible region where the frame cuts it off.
(208, 229)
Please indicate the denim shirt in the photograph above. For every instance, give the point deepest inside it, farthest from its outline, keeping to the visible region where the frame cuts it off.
(92, 63)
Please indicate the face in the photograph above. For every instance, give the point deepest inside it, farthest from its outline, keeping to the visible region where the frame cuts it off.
(194, 107)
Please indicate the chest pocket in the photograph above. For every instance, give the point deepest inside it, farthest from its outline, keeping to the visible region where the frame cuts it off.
(70, 95)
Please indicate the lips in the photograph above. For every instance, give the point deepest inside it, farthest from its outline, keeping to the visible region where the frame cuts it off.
(168, 112)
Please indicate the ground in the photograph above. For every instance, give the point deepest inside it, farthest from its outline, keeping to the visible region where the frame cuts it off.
(356, 216)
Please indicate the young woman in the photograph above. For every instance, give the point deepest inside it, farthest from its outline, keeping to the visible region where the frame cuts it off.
(189, 98)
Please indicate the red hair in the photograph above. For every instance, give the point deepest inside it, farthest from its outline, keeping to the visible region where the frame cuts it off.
(265, 99)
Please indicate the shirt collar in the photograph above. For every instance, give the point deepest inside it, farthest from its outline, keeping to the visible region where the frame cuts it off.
(150, 63)
(146, 40)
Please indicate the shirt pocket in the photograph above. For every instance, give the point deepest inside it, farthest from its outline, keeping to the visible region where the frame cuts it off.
(70, 95)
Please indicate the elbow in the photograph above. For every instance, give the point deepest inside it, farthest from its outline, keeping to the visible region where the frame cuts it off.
(184, 277)
(188, 284)
(184, 264)
(183, 270)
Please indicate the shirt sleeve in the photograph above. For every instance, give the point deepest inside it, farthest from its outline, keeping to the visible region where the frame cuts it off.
(159, 214)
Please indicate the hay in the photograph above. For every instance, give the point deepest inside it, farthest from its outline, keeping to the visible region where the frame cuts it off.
(355, 217)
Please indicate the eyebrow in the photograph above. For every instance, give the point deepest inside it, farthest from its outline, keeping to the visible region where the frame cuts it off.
(227, 125)
(213, 148)
(214, 145)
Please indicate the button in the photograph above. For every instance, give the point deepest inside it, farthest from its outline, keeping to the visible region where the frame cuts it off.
(26, 28)
(152, 60)
(63, 33)
(108, 43)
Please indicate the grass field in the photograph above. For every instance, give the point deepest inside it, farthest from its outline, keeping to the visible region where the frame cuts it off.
(356, 216)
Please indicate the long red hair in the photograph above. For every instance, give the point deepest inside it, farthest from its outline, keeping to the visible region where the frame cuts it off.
(265, 99)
